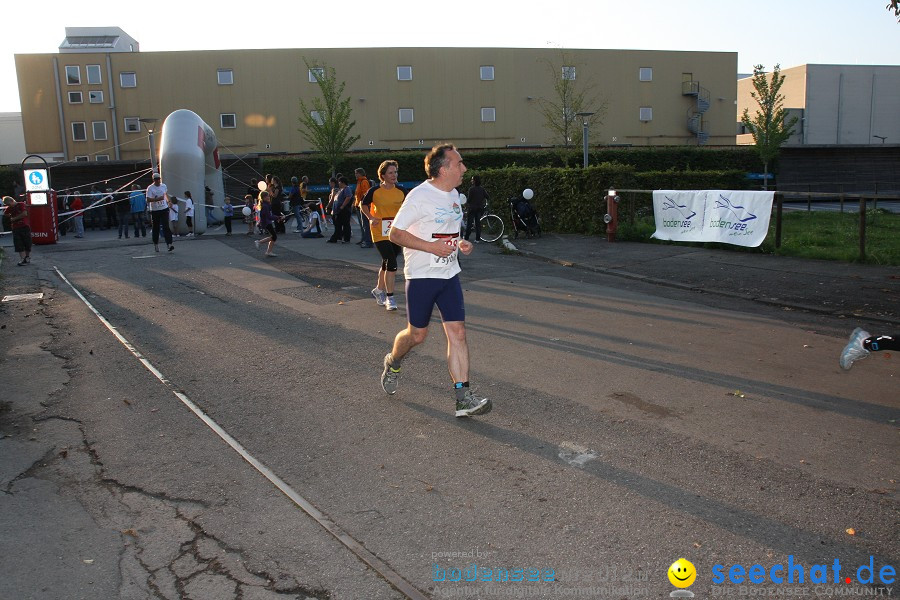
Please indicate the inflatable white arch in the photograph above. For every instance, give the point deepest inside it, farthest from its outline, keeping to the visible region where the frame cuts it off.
(189, 161)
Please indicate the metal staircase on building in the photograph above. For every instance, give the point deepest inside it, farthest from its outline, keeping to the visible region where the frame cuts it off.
(695, 113)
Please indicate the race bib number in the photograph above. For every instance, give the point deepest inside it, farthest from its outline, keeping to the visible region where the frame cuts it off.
(386, 227)
(445, 262)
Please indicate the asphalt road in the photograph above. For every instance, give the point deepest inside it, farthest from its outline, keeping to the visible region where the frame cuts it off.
(633, 424)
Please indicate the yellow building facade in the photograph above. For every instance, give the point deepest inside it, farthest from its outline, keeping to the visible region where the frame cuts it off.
(98, 105)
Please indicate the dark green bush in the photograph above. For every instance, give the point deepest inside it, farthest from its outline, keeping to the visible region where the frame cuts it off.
(678, 158)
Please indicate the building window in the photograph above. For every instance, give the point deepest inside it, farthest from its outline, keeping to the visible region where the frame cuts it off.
(95, 97)
(406, 115)
(487, 73)
(75, 98)
(645, 74)
(101, 157)
(82, 158)
(226, 76)
(132, 125)
(404, 73)
(646, 113)
(315, 74)
(73, 75)
(228, 120)
(94, 75)
(79, 132)
(568, 73)
(128, 79)
(99, 129)
(314, 114)
(488, 114)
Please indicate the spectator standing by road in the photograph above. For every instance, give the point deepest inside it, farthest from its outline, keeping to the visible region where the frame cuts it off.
(75, 204)
(341, 210)
(137, 201)
(362, 186)
(275, 193)
(189, 213)
(209, 201)
(475, 205)
(427, 226)
(123, 214)
(157, 201)
(228, 213)
(249, 218)
(21, 228)
(295, 201)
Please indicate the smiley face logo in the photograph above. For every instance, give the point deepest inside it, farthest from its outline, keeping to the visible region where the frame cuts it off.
(682, 573)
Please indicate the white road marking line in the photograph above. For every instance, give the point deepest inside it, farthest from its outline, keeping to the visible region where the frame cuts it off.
(394, 578)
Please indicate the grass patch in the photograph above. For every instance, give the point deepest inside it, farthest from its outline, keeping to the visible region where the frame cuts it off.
(817, 234)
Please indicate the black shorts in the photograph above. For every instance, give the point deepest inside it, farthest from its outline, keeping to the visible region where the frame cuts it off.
(22, 239)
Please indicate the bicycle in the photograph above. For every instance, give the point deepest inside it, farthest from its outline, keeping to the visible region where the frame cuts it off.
(307, 209)
(491, 226)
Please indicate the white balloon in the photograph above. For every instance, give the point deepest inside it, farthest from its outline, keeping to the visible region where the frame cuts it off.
(261, 185)
(462, 199)
(246, 210)
(528, 194)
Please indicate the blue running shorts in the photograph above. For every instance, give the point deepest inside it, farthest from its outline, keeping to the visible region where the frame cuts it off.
(423, 294)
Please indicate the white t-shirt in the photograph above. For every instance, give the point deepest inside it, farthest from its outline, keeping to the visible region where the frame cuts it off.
(429, 214)
(157, 191)
(188, 207)
(173, 210)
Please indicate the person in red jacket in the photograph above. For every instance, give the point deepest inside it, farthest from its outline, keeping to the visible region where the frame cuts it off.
(76, 204)
(21, 228)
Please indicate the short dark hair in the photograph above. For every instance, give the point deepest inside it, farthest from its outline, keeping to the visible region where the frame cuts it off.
(383, 167)
(343, 180)
(476, 180)
(437, 158)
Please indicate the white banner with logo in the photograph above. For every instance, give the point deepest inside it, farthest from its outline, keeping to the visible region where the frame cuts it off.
(731, 217)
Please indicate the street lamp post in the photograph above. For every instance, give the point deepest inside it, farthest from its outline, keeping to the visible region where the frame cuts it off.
(150, 124)
(584, 133)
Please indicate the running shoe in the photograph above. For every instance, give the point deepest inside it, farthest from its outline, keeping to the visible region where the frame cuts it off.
(390, 303)
(390, 377)
(256, 243)
(471, 405)
(380, 296)
(271, 254)
(854, 350)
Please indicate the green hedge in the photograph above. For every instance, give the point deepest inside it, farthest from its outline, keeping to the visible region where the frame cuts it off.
(574, 200)
(679, 158)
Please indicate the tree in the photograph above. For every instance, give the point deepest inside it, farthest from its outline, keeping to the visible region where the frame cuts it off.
(572, 95)
(894, 5)
(768, 125)
(327, 124)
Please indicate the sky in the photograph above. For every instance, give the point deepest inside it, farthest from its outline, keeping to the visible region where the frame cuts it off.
(789, 32)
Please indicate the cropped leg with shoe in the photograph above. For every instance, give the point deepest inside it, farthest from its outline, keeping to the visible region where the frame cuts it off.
(862, 343)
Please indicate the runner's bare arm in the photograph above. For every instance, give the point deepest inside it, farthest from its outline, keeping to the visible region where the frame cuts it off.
(401, 237)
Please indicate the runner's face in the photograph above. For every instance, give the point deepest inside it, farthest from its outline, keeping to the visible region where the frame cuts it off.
(390, 175)
(455, 168)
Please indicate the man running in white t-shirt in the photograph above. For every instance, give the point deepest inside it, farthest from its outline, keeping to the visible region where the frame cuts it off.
(427, 226)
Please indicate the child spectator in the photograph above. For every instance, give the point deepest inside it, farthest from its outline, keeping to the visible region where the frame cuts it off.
(228, 212)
